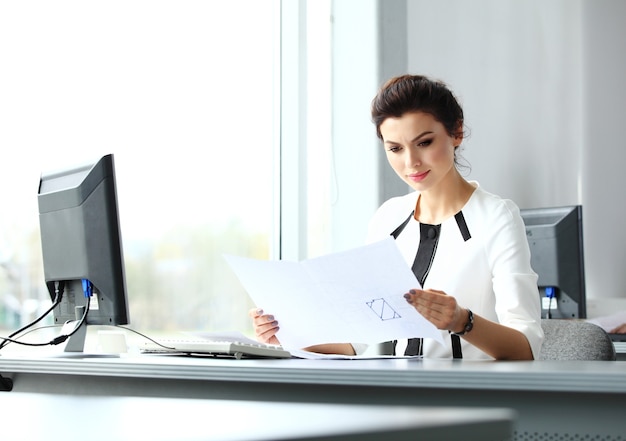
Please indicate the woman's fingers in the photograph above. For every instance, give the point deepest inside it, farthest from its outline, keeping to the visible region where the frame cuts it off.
(621, 329)
(254, 312)
(431, 300)
(435, 306)
(265, 326)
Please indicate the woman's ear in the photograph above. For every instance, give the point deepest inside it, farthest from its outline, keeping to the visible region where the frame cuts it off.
(458, 135)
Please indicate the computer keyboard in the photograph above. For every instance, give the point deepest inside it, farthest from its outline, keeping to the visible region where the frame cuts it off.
(236, 349)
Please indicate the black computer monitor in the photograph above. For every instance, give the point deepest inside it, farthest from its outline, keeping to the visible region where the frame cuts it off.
(555, 236)
(82, 246)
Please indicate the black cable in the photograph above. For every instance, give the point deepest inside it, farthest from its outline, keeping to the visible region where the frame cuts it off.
(55, 341)
(59, 288)
(10, 340)
(549, 312)
(61, 338)
(30, 331)
(144, 336)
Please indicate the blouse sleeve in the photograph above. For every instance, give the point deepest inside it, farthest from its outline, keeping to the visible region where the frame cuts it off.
(514, 281)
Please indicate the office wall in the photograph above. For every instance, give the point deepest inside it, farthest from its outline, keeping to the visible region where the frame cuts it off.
(604, 152)
(542, 87)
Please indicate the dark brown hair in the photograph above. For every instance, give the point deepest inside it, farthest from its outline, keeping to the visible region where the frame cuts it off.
(416, 93)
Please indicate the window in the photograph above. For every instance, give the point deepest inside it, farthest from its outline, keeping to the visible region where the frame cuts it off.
(320, 190)
(184, 95)
(306, 145)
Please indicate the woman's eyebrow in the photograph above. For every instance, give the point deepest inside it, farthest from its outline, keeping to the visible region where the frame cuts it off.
(428, 132)
(417, 138)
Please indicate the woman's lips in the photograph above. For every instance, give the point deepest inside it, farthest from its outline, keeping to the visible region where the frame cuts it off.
(418, 177)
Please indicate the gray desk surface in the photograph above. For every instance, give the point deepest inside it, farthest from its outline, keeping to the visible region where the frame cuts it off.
(564, 376)
(560, 399)
(74, 418)
(620, 350)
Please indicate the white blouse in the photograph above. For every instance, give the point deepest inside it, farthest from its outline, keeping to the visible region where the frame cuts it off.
(489, 273)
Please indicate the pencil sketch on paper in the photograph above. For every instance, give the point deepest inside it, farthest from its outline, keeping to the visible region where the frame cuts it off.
(382, 309)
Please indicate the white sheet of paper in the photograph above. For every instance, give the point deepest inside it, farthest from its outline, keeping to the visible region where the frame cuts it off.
(352, 296)
(610, 322)
(300, 353)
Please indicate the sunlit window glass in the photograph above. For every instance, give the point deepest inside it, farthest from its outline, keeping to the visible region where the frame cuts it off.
(319, 144)
(182, 93)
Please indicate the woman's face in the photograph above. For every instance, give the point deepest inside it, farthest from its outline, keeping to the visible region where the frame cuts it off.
(419, 149)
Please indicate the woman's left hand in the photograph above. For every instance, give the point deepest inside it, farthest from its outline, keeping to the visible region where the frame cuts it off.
(438, 308)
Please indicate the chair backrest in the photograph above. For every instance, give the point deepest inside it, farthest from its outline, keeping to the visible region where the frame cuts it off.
(575, 340)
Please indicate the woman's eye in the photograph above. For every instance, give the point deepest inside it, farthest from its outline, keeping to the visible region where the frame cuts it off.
(393, 149)
(425, 143)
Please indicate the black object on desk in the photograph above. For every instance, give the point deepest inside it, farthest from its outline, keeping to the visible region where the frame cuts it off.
(6, 384)
(618, 337)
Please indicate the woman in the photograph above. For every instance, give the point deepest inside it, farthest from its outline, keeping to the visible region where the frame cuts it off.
(467, 247)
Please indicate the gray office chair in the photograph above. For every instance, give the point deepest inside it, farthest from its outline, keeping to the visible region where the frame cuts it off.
(575, 340)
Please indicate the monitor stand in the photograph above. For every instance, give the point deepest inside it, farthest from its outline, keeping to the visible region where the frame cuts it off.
(76, 341)
(75, 346)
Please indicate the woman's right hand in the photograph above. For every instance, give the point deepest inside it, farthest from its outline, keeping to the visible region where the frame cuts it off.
(621, 329)
(265, 326)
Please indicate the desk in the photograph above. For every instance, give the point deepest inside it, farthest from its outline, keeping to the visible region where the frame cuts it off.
(563, 400)
(620, 350)
(175, 419)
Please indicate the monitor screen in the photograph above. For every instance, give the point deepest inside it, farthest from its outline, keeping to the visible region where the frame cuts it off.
(555, 237)
(81, 242)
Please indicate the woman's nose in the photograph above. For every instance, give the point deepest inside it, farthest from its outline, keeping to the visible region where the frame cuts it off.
(413, 157)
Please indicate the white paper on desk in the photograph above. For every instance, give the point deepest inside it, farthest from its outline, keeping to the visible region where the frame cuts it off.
(352, 296)
(300, 353)
(610, 322)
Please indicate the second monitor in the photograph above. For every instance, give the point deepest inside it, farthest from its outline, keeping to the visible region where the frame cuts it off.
(555, 237)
